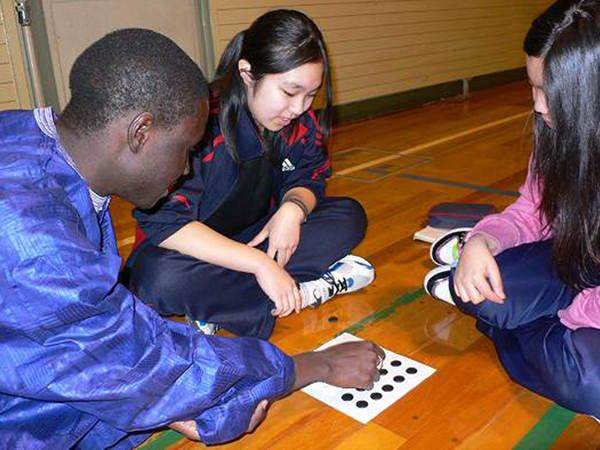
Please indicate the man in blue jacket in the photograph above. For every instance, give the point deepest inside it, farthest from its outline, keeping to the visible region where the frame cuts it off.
(83, 363)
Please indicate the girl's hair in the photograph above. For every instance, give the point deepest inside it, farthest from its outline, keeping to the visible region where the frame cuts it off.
(566, 158)
(276, 42)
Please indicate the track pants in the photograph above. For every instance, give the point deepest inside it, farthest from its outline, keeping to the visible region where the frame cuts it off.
(178, 284)
(534, 347)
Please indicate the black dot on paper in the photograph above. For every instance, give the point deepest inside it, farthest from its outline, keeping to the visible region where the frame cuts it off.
(396, 363)
(411, 370)
(399, 378)
(347, 397)
(387, 387)
(362, 404)
(332, 319)
(376, 396)
(383, 371)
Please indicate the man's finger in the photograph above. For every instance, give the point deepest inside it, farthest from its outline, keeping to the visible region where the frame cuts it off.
(379, 351)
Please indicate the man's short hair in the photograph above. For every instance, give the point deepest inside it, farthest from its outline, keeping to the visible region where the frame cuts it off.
(129, 70)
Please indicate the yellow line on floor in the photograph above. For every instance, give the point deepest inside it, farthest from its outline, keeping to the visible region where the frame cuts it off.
(127, 241)
(430, 144)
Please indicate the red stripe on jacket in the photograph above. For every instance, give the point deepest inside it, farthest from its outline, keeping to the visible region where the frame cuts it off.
(140, 237)
(298, 133)
(218, 140)
(322, 169)
(183, 200)
(311, 113)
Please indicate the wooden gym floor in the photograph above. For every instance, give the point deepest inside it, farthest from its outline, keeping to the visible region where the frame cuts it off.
(398, 166)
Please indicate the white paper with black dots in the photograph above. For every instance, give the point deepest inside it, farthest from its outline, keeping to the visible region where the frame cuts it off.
(398, 376)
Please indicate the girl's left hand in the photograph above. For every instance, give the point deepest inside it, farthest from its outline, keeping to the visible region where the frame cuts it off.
(283, 231)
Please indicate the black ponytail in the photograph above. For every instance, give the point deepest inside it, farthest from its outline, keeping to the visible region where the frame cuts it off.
(230, 88)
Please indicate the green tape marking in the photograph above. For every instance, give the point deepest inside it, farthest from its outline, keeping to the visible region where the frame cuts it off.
(163, 440)
(384, 313)
(550, 426)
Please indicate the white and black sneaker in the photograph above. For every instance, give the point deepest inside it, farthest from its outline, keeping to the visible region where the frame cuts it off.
(437, 284)
(206, 328)
(349, 274)
(444, 250)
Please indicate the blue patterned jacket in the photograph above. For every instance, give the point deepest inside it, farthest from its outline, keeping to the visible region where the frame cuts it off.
(83, 363)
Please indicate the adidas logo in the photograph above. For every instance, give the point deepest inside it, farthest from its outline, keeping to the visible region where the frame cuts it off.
(287, 166)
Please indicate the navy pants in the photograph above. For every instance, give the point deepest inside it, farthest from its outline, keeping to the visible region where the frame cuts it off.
(178, 284)
(534, 347)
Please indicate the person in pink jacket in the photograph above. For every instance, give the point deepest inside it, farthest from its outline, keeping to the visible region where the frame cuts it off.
(531, 274)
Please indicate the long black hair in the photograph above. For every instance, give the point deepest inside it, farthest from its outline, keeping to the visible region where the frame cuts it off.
(276, 42)
(566, 158)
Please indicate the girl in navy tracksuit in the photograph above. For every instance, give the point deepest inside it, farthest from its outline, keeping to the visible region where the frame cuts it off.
(233, 240)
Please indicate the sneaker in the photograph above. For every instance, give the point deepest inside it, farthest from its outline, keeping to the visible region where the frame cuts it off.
(349, 274)
(206, 328)
(444, 250)
(437, 284)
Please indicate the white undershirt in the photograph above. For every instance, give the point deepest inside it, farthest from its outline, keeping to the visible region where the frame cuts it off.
(45, 119)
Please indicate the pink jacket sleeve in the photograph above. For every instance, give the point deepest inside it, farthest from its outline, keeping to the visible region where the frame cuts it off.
(584, 312)
(521, 223)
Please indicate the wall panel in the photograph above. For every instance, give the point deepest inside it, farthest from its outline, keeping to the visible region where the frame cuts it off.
(14, 90)
(72, 25)
(388, 46)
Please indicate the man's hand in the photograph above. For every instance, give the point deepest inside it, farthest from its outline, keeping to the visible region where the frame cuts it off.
(348, 365)
(189, 430)
(259, 415)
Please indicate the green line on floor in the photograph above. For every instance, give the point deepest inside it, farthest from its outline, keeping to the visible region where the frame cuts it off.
(163, 440)
(384, 313)
(550, 426)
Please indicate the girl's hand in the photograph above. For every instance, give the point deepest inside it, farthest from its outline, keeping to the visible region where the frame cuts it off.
(280, 287)
(283, 231)
(478, 277)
